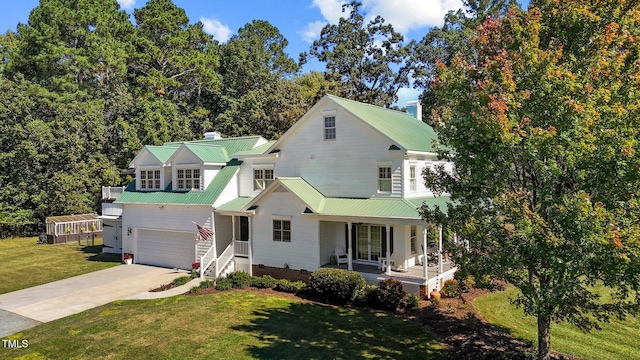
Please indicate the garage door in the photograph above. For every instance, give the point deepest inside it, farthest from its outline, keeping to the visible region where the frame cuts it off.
(166, 248)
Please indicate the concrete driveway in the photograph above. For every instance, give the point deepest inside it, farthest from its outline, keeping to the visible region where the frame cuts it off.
(23, 309)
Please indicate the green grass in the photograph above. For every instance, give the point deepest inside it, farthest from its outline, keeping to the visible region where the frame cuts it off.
(227, 325)
(25, 264)
(617, 339)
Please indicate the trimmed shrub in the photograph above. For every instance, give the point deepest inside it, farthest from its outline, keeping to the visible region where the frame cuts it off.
(336, 285)
(240, 279)
(224, 284)
(263, 282)
(389, 294)
(410, 301)
(365, 295)
(450, 289)
(287, 286)
(181, 280)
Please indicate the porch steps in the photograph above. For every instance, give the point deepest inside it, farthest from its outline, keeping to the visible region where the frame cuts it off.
(210, 272)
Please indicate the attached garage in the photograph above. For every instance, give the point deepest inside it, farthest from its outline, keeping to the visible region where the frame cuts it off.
(166, 248)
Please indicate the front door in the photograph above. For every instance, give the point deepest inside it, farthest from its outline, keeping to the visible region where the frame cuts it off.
(244, 228)
(369, 242)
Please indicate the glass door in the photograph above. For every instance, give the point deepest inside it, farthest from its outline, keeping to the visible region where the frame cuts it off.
(369, 242)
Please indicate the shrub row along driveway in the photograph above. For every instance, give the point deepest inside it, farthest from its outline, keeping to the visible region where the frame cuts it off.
(23, 309)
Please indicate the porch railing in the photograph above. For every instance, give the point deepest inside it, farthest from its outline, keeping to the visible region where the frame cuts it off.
(436, 282)
(206, 260)
(112, 192)
(224, 258)
(241, 248)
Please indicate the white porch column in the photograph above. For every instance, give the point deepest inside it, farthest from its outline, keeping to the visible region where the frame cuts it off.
(250, 240)
(349, 246)
(233, 228)
(425, 266)
(214, 243)
(440, 269)
(388, 254)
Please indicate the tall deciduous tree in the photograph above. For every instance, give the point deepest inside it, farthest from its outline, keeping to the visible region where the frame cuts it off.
(369, 58)
(442, 44)
(543, 129)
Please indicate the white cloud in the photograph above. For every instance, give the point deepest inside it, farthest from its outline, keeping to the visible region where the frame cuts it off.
(406, 15)
(312, 31)
(127, 4)
(331, 10)
(216, 29)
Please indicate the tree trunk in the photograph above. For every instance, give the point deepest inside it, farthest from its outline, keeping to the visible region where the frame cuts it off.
(544, 337)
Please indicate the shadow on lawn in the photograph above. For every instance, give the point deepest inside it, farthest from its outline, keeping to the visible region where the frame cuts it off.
(473, 339)
(99, 255)
(304, 331)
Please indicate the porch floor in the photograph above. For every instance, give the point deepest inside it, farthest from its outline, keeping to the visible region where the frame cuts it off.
(414, 272)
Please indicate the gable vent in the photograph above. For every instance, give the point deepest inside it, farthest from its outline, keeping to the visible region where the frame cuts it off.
(394, 147)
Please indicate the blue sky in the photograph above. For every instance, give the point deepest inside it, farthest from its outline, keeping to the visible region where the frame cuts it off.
(300, 21)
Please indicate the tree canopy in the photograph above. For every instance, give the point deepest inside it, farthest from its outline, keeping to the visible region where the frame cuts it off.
(543, 125)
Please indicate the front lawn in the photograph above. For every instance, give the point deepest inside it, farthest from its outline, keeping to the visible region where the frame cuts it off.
(228, 325)
(24, 263)
(618, 339)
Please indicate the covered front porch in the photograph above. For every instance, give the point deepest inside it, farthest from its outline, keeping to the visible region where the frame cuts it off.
(412, 278)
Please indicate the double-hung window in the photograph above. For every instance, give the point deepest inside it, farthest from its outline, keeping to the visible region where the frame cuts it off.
(262, 178)
(384, 178)
(282, 230)
(150, 179)
(329, 127)
(188, 179)
(412, 178)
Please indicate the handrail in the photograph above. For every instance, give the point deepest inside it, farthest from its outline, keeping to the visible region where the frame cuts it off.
(241, 248)
(225, 258)
(112, 192)
(204, 263)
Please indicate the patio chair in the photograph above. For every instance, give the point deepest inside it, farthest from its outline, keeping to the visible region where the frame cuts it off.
(341, 256)
(384, 262)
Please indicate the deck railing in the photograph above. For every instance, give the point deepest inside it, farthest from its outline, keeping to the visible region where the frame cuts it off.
(112, 192)
(206, 260)
(241, 248)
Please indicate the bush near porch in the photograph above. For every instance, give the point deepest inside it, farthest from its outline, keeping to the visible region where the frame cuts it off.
(26, 263)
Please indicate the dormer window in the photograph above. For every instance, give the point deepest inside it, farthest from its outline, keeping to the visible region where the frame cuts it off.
(188, 179)
(149, 180)
(329, 127)
(262, 178)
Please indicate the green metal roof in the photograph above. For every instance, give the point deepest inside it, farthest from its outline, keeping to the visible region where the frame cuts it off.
(233, 145)
(304, 191)
(373, 207)
(401, 127)
(193, 197)
(161, 152)
(209, 153)
(236, 204)
(258, 150)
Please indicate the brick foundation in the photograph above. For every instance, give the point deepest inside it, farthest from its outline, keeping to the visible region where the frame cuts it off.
(280, 273)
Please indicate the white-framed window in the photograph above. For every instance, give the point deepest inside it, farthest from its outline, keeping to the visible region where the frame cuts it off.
(149, 179)
(384, 178)
(282, 230)
(188, 179)
(413, 240)
(412, 178)
(262, 178)
(329, 127)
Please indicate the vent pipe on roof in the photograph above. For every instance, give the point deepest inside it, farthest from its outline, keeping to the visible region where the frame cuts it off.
(213, 135)
(415, 109)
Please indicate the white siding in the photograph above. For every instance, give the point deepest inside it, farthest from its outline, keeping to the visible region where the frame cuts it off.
(229, 193)
(331, 236)
(161, 217)
(303, 250)
(210, 172)
(245, 175)
(344, 167)
(420, 164)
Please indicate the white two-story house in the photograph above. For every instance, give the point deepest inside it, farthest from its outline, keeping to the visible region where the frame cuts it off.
(345, 178)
